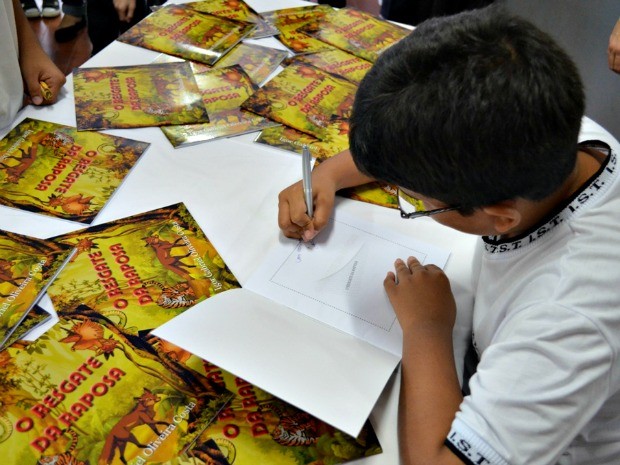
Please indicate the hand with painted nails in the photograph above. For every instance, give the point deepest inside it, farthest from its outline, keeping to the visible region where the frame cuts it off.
(333, 174)
(421, 295)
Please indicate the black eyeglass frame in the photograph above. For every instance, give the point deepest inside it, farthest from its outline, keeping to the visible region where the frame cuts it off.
(418, 214)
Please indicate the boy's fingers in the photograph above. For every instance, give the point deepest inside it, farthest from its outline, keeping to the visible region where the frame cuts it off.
(284, 221)
(401, 267)
(34, 92)
(389, 282)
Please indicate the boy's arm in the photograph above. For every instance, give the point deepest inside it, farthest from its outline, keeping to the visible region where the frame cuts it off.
(430, 392)
(338, 172)
(36, 67)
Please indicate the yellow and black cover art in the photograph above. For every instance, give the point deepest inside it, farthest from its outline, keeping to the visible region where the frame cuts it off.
(136, 96)
(237, 10)
(56, 170)
(356, 31)
(288, 21)
(258, 428)
(308, 99)
(142, 270)
(338, 62)
(92, 392)
(27, 266)
(184, 32)
(223, 90)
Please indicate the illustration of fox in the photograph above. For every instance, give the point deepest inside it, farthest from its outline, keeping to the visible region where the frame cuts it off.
(121, 433)
(74, 205)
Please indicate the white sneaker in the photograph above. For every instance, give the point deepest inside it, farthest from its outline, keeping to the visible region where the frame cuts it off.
(51, 9)
(31, 10)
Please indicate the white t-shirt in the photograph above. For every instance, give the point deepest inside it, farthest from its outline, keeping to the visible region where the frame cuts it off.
(546, 326)
(11, 85)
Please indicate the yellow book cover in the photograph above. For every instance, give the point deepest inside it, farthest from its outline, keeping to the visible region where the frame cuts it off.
(136, 96)
(181, 31)
(286, 138)
(33, 319)
(27, 266)
(289, 139)
(257, 61)
(258, 428)
(88, 392)
(237, 10)
(356, 31)
(308, 99)
(223, 90)
(142, 270)
(338, 62)
(289, 20)
(56, 170)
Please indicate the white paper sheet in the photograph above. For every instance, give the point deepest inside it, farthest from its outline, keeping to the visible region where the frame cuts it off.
(333, 354)
(339, 279)
(330, 374)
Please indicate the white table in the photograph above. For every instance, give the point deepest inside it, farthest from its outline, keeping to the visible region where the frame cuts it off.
(230, 186)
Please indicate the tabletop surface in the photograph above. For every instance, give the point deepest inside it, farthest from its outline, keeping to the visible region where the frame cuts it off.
(230, 186)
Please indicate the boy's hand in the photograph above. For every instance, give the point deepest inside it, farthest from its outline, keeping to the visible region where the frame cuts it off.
(37, 68)
(420, 295)
(125, 9)
(292, 211)
(335, 173)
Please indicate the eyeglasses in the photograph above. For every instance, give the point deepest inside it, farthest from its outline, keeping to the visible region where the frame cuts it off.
(410, 207)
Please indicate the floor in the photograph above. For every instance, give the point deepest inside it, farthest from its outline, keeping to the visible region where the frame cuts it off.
(69, 55)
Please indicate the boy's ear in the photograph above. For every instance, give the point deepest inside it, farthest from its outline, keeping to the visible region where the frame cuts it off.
(504, 216)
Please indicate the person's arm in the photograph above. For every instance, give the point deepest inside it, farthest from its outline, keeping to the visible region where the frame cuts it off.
(430, 392)
(613, 52)
(125, 9)
(36, 67)
(338, 172)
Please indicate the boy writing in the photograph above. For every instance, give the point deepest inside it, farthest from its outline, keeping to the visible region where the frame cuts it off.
(476, 118)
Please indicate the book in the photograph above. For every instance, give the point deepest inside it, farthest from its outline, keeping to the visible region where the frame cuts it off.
(136, 96)
(27, 267)
(223, 90)
(141, 270)
(355, 31)
(35, 318)
(289, 20)
(256, 427)
(56, 170)
(336, 61)
(289, 139)
(88, 391)
(184, 32)
(327, 312)
(236, 10)
(308, 99)
(257, 61)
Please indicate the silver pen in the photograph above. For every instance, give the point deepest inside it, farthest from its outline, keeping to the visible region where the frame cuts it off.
(307, 179)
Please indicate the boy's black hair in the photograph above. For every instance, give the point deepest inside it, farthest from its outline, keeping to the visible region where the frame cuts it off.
(470, 109)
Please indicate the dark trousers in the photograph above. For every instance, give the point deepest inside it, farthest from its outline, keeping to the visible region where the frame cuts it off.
(104, 26)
